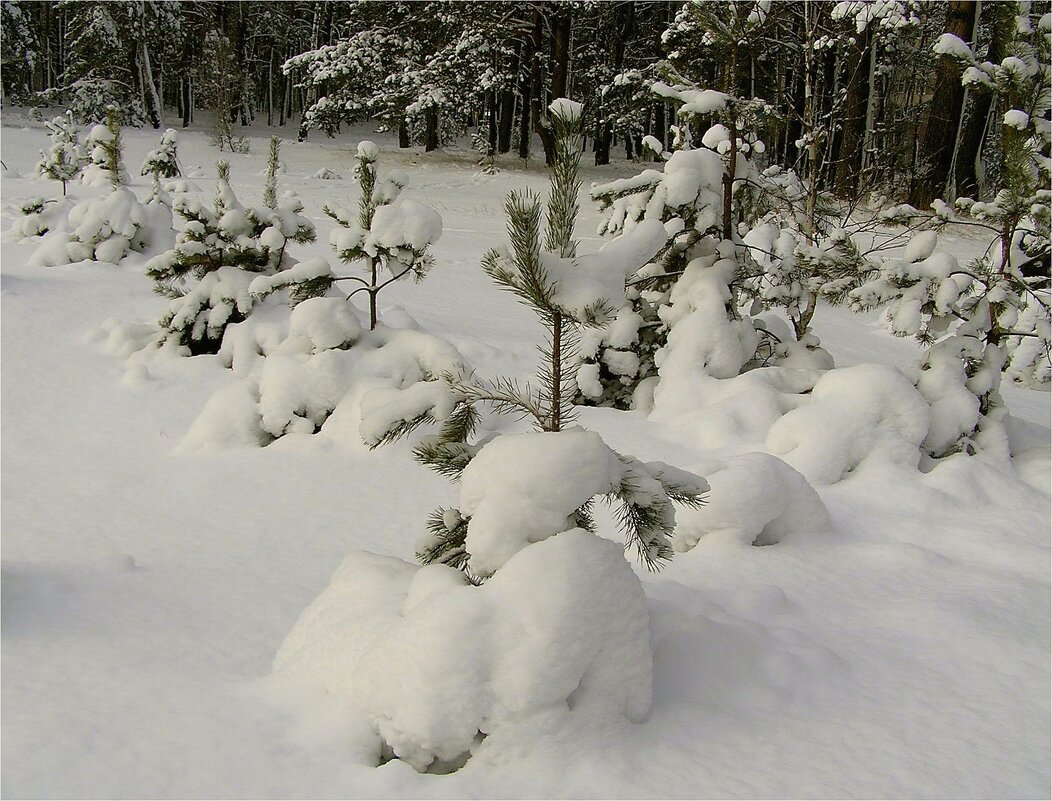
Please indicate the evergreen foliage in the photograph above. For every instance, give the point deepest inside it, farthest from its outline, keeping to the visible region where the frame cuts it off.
(105, 151)
(62, 162)
(270, 183)
(993, 315)
(218, 252)
(163, 162)
(391, 236)
(643, 494)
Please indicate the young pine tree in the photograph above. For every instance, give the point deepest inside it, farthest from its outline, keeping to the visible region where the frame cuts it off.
(105, 150)
(62, 161)
(218, 253)
(390, 237)
(163, 162)
(270, 183)
(564, 468)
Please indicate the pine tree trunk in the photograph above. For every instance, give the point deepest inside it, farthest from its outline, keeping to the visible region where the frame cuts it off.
(603, 138)
(537, 116)
(270, 88)
(430, 129)
(622, 30)
(530, 85)
(660, 127)
(941, 131)
(507, 112)
(560, 61)
(852, 137)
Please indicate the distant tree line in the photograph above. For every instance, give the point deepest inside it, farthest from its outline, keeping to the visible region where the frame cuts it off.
(850, 93)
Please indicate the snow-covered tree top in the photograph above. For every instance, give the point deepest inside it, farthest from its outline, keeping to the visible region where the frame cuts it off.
(368, 151)
(566, 109)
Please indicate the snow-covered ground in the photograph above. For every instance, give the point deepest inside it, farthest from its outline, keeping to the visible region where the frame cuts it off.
(902, 653)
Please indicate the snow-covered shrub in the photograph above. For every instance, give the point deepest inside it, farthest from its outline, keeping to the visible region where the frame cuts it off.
(218, 252)
(63, 160)
(566, 291)
(104, 229)
(756, 266)
(319, 369)
(756, 499)
(391, 237)
(869, 413)
(325, 174)
(163, 161)
(38, 216)
(105, 167)
(445, 670)
(486, 153)
(90, 98)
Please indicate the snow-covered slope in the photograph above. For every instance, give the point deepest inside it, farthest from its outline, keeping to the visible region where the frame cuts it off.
(902, 650)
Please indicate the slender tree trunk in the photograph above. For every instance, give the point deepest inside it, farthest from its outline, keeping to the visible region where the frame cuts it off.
(530, 85)
(493, 102)
(431, 129)
(557, 372)
(270, 88)
(625, 21)
(507, 112)
(537, 94)
(560, 61)
(153, 102)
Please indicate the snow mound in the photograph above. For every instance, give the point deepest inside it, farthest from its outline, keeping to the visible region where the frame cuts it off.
(756, 499)
(230, 420)
(325, 174)
(435, 662)
(317, 367)
(105, 229)
(861, 414)
(523, 488)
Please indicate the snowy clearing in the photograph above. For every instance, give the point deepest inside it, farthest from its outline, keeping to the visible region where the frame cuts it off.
(894, 644)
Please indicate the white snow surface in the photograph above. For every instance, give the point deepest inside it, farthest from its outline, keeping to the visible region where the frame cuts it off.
(555, 644)
(893, 643)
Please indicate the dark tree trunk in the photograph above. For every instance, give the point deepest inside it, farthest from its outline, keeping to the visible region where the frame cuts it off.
(560, 66)
(849, 151)
(403, 133)
(941, 132)
(971, 145)
(430, 129)
(626, 13)
(661, 125)
(530, 86)
(507, 113)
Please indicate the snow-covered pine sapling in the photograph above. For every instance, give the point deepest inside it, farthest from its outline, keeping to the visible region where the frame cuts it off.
(62, 161)
(218, 253)
(163, 161)
(114, 150)
(391, 236)
(105, 151)
(486, 153)
(270, 181)
(523, 488)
